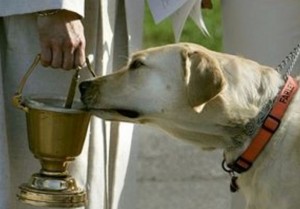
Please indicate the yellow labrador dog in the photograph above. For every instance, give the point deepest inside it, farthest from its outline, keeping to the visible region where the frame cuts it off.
(213, 100)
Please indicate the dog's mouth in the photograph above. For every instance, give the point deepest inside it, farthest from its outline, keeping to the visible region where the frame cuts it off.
(132, 114)
(128, 113)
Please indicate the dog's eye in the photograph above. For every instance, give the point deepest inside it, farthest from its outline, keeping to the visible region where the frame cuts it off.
(135, 64)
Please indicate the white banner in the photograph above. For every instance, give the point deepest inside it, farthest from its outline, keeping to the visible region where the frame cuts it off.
(178, 11)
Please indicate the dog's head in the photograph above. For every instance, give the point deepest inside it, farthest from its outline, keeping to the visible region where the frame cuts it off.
(156, 84)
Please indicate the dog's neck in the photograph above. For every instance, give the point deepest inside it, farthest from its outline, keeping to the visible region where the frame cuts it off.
(241, 141)
(270, 83)
(271, 120)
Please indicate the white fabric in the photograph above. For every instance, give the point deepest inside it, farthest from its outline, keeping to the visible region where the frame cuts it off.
(262, 30)
(18, 47)
(14, 7)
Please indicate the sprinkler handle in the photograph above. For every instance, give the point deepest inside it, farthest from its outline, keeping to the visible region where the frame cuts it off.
(17, 98)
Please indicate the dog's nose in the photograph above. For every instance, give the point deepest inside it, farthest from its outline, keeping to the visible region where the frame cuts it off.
(83, 86)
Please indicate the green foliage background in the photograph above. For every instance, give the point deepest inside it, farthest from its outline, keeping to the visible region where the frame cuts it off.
(155, 35)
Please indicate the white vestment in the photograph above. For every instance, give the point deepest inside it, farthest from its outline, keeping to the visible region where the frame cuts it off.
(110, 37)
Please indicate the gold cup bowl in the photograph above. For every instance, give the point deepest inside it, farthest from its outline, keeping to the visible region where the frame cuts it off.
(56, 135)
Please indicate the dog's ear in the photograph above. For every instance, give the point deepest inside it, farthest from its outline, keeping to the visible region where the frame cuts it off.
(203, 78)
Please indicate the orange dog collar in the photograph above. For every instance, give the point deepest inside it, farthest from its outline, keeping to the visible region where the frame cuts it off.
(269, 127)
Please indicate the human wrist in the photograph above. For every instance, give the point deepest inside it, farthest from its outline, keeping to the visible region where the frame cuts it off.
(58, 12)
(49, 12)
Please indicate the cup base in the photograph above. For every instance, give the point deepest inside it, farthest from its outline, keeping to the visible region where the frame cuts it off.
(52, 191)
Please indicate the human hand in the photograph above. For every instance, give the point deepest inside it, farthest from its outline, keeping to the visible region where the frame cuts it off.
(62, 40)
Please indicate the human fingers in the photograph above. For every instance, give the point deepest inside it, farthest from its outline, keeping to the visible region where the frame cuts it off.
(62, 40)
(46, 56)
(57, 57)
(74, 54)
(80, 56)
(68, 58)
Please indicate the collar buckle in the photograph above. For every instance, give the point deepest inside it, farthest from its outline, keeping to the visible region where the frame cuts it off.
(240, 165)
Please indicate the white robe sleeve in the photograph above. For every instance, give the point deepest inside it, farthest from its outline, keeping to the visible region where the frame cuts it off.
(15, 7)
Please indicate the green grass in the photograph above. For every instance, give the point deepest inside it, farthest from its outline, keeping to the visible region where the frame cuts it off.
(155, 35)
